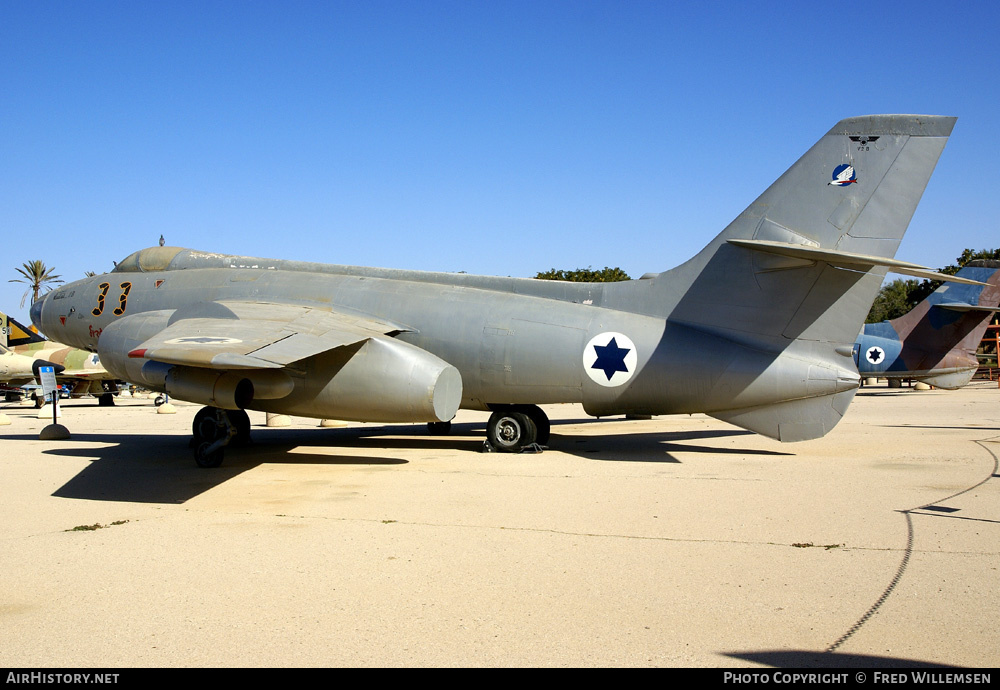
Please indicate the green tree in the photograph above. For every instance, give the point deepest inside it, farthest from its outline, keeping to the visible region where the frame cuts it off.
(37, 276)
(585, 275)
(894, 300)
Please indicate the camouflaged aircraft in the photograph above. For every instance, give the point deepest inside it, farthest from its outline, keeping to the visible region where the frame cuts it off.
(936, 341)
(22, 351)
(757, 329)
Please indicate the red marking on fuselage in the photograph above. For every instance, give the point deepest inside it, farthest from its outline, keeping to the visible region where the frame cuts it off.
(137, 354)
(93, 333)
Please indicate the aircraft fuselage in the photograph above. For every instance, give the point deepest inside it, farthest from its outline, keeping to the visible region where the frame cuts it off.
(517, 345)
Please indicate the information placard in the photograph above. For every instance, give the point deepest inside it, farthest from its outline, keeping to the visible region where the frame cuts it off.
(48, 380)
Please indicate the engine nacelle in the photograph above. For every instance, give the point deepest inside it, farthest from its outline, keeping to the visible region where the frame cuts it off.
(385, 380)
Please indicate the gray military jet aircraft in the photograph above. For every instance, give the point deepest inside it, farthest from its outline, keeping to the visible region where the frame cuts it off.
(757, 329)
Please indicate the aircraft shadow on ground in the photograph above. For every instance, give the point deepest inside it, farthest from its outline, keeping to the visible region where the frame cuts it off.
(620, 446)
(792, 658)
(970, 427)
(883, 394)
(161, 469)
(656, 446)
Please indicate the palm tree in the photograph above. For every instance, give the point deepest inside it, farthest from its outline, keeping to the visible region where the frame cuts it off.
(36, 275)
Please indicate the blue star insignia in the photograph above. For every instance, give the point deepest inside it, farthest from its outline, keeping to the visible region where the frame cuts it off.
(610, 358)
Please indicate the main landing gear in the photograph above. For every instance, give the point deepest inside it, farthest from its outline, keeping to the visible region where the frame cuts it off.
(214, 429)
(510, 429)
(516, 428)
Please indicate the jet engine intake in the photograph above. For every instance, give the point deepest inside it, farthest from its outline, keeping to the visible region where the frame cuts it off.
(228, 390)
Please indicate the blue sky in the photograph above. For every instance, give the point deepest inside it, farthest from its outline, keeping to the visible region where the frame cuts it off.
(501, 138)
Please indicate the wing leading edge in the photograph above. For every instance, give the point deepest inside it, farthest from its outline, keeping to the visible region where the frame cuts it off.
(247, 335)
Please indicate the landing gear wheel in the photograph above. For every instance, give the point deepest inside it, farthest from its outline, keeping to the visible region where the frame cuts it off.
(439, 428)
(212, 431)
(38, 400)
(241, 420)
(541, 421)
(204, 425)
(206, 457)
(510, 432)
(105, 400)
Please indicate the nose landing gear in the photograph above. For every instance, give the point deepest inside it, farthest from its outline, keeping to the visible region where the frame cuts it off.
(214, 429)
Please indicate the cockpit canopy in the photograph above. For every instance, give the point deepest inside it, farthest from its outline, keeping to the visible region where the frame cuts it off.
(149, 259)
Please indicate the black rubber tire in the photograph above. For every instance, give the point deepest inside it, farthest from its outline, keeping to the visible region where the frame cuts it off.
(542, 426)
(208, 460)
(204, 426)
(509, 431)
(241, 420)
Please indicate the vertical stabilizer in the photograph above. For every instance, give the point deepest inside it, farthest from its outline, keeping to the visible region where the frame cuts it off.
(852, 193)
(13, 333)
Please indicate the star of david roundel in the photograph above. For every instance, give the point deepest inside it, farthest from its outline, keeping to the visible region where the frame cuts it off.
(875, 355)
(610, 359)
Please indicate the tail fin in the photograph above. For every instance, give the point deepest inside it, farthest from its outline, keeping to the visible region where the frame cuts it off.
(938, 338)
(13, 333)
(844, 205)
(780, 295)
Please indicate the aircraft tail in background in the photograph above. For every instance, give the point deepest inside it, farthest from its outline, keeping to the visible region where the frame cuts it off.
(936, 341)
(12, 333)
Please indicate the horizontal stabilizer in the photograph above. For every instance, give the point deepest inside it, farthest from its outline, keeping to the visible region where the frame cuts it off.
(848, 259)
(964, 307)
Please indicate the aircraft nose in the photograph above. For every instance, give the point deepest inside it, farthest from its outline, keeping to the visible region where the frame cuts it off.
(36, 313)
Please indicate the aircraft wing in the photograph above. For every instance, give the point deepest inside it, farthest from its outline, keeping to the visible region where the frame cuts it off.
(249, 335)
(89, 374)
